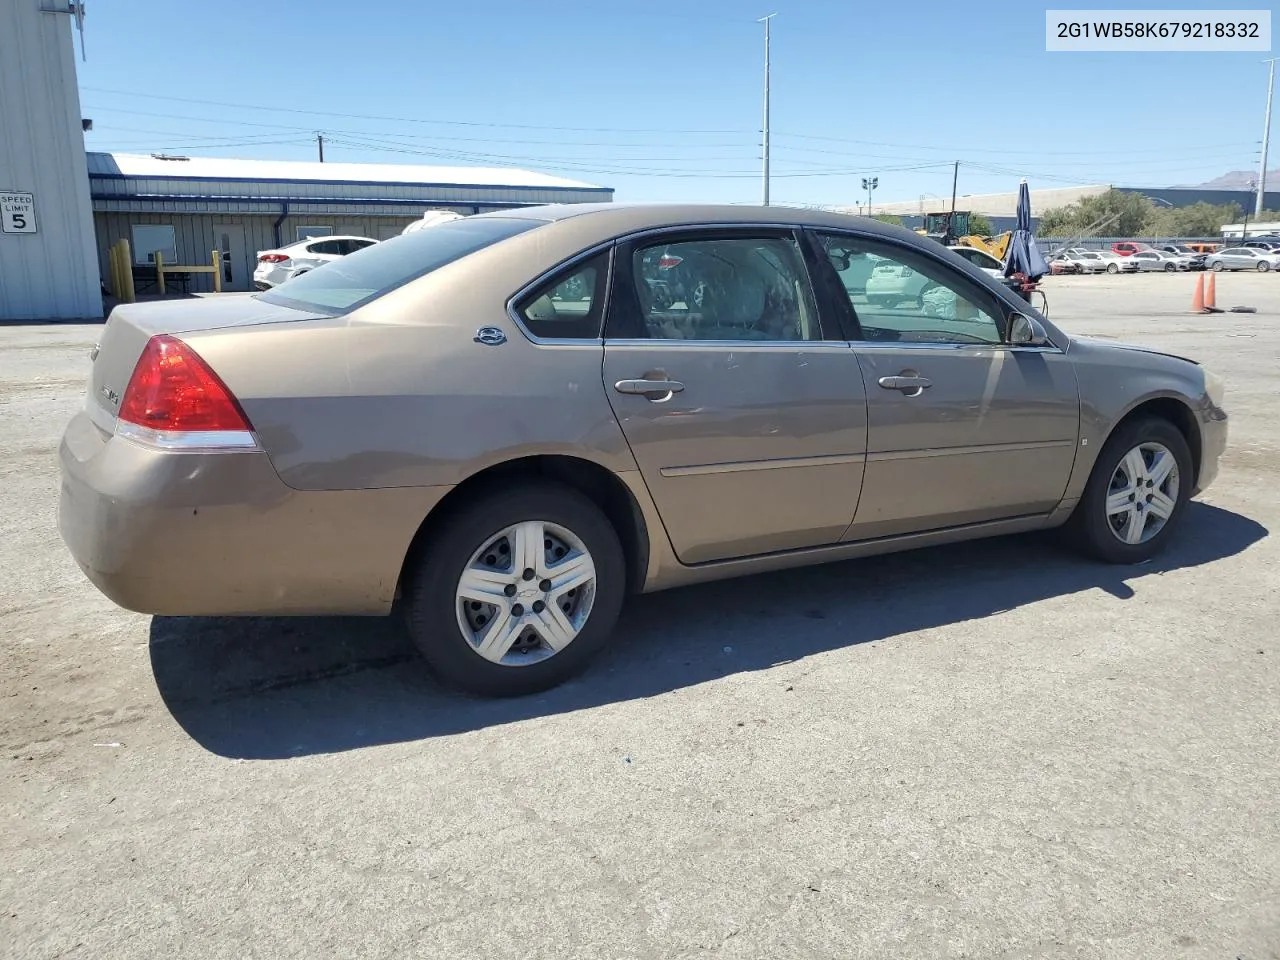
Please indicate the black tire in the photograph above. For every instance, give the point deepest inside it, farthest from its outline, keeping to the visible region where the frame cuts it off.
(1263, 266)
(1088, 528)
(1170, 268)
(1113, 268)
(1218, 266)
(430, 588)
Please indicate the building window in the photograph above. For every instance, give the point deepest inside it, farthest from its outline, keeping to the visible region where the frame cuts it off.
(306, 233)
(150, 239)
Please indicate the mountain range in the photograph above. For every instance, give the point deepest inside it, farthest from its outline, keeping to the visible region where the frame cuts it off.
(1235, 180)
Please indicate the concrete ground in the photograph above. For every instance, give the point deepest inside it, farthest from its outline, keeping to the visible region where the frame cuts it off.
(989, 750)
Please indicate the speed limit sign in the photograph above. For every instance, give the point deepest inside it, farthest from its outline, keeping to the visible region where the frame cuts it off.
(17, 213)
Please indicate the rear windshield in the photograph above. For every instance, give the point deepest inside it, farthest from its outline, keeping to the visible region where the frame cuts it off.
(343, 285)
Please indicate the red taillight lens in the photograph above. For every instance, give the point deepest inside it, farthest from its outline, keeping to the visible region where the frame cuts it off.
(273, 258)
(175, 400)
(667, 261)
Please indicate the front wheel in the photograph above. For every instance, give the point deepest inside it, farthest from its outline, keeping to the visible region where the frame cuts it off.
(1218, 266)
(1263, 266)
(1170, 268)
(1136, 494)
(1113, 268)
(517, 591)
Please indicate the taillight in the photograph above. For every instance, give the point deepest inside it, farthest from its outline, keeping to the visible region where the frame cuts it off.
(175, 401)
(669, 260)
(273, 258)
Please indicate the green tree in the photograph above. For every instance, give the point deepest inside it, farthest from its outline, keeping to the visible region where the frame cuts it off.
(1196, 220)
(980, 225)
(888, 218)
(1123, 213)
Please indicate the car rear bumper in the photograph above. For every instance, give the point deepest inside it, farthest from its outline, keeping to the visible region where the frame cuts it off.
(219, 534)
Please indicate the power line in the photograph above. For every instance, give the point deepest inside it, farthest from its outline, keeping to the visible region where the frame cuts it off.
(372, 116)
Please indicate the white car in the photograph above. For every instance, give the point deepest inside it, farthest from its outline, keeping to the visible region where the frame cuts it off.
(430, 219)
(1089, 261)
(1114, 263)
(1160, 261)
(890, 283)
(284, 263)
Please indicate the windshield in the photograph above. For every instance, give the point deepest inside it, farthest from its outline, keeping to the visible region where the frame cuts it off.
(354, 280)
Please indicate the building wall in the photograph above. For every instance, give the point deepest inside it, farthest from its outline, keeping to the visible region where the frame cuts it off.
(50, 274)
(196, 235)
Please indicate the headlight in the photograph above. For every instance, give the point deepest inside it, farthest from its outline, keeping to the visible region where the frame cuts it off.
(1215, 387)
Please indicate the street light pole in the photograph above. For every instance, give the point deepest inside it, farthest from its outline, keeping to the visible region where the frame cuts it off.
(764, 174)
(1266, 136)
(869, 184)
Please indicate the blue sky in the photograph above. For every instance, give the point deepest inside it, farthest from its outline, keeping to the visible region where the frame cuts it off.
(663, 101)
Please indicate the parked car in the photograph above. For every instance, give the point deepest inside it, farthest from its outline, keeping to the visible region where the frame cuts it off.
(1159, 261)
(284, 263)
(429, 427)
(1127, 248)
(1061, 265)
(1085, 261)
(1243, 258)
(1185, 250)
(1262, 244)
(1118, 264)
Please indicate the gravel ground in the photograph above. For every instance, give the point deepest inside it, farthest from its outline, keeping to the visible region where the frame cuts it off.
(987, 750)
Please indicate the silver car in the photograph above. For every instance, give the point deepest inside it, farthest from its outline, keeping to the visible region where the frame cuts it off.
(1243, 258)
(1158, 261)
(495, 428)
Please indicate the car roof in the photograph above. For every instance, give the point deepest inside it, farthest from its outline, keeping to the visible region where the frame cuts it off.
(621, 218)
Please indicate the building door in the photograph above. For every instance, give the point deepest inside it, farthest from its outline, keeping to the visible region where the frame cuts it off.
(229, 239)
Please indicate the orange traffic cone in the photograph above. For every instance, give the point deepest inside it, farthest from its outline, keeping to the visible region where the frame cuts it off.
(1197, 301)
(1211, 294)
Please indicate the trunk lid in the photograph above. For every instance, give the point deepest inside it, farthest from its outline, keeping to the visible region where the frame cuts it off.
(131, 325)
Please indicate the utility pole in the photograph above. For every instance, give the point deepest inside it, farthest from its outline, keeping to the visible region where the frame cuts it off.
(765, 171)
(1266, 136)
(320, 145)
(869, 184)
(949, 237)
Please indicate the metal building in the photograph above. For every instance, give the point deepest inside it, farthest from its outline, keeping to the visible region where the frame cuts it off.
(48, 261)
(185, 207)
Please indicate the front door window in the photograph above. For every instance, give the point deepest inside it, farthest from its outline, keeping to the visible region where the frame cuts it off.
(902, 296)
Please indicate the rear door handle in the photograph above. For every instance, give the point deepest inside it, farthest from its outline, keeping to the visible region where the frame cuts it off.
(912, 386)
(650, 389)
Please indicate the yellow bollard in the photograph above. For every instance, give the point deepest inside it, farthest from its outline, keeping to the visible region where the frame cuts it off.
(159, 273)
(217, 270)
(126, 270)
(113, 271)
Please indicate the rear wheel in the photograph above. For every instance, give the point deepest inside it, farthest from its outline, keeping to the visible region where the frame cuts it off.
(1263, 266)
(1136, 495)
(517, 591)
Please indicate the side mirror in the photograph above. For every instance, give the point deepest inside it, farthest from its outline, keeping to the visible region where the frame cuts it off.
(1026, 332)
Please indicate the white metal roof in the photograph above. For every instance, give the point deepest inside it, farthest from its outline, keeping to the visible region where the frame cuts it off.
(219, 168)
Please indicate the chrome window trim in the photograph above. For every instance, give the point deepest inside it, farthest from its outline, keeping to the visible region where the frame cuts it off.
(649, 341)
(860, 345)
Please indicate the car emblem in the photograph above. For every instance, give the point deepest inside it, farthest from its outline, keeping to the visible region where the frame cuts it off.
(490, 336)
(111, 395)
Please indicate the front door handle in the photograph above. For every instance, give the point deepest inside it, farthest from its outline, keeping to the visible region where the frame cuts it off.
(912, 386)
(650, 389)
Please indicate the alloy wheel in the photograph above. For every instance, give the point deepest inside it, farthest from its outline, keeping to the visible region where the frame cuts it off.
(526, 593)
(1143, 493)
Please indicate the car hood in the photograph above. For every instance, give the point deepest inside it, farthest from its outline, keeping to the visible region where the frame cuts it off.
(1100, 343)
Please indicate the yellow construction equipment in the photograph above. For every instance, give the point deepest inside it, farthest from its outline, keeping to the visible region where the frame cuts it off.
(997, 246)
